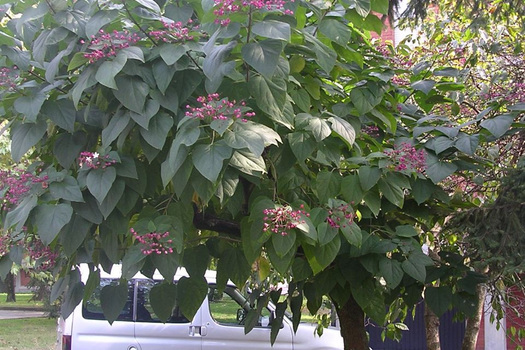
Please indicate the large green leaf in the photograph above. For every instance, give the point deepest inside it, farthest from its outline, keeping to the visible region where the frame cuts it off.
(98, 20)
(131, 92)
(112, 300)
(415, 266)
(171, 53)
(499, 125)
(243, 138)
(19, 215)
(423, 85)
(196, 260)
(467, 143)
(61, 112)
(67, 189)
(270, 95)
(49, 220)
(335, 30)
(163, 74)
(117, 124)
(272, 29)
(368, 177)
(327, 185)
(325, 56)
(162, 298)
(99, 182)
(343, 129)
(302, 145)
(353, 234)
(25, 136)
(5, 266)
(283, 243)
(176, 158)
(248, 163)
(167, 264)
(351, 189)
(438, 169)
(112, 198)
(209, 159)
(109, 69)
(158, 129)
(29, 105)
(73, 234)
(391, 271)
(394, 193)
(263, 55)
(190, 294)
(439, 299)
(319, 257)
(214, 66)
(365, 98)
(84, 81)
(234, 266)
(67, 147)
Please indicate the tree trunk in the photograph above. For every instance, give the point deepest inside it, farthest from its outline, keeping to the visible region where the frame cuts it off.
(432, 329)
(473, 323)
(10, 288)
(352, 321)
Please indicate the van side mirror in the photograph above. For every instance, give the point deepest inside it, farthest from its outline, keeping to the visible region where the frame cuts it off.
(241, 316)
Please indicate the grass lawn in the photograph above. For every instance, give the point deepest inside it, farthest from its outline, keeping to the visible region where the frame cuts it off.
(28, 334)
(22, 301)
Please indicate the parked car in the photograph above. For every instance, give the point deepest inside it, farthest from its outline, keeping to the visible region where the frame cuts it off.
(215, 326)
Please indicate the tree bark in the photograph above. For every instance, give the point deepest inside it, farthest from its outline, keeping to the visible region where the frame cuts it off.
(10, 288)
(473, 323)
(432, 329)
(352, 322)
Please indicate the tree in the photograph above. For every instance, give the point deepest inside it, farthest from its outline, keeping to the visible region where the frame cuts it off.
(271, 137)
(490, 63)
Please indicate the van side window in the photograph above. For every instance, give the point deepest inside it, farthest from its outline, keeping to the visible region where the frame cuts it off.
(145, 312)
(92, 309)
(230, 307)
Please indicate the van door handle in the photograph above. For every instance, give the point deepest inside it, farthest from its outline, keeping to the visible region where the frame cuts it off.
(197, 330)
(203, 331)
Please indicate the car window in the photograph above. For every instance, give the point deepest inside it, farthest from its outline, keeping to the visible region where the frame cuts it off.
(92, 309)
(229, 307)
(145, 312)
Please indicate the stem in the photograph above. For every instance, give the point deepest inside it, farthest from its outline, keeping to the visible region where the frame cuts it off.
(137, 24)
(248, 35)
(51, 7)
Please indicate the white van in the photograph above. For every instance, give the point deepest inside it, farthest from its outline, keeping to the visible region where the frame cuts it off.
(214, 327)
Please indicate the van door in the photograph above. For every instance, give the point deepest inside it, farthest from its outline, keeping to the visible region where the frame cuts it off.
(221, 329)
(151, 334)
(91, 330)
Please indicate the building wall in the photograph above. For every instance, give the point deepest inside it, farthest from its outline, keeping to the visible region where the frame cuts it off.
(515, 317)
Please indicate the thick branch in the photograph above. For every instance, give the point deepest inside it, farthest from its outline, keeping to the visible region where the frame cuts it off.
(205, 221)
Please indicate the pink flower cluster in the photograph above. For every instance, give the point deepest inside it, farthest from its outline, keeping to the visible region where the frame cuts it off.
(107, 45)
(8, 78)
(406, 158)
(283, 219)
(227, 7)
(5, 244)
(340, 216)
(371, 130)
(93, 160)
(43, 255)
(214, 108)
(174, 32)
(154, 242)
(14, 185)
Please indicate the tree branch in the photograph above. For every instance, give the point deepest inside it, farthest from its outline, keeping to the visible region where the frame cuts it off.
(206, 221)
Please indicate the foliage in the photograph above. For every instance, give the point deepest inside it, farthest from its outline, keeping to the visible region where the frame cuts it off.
(146, 117)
